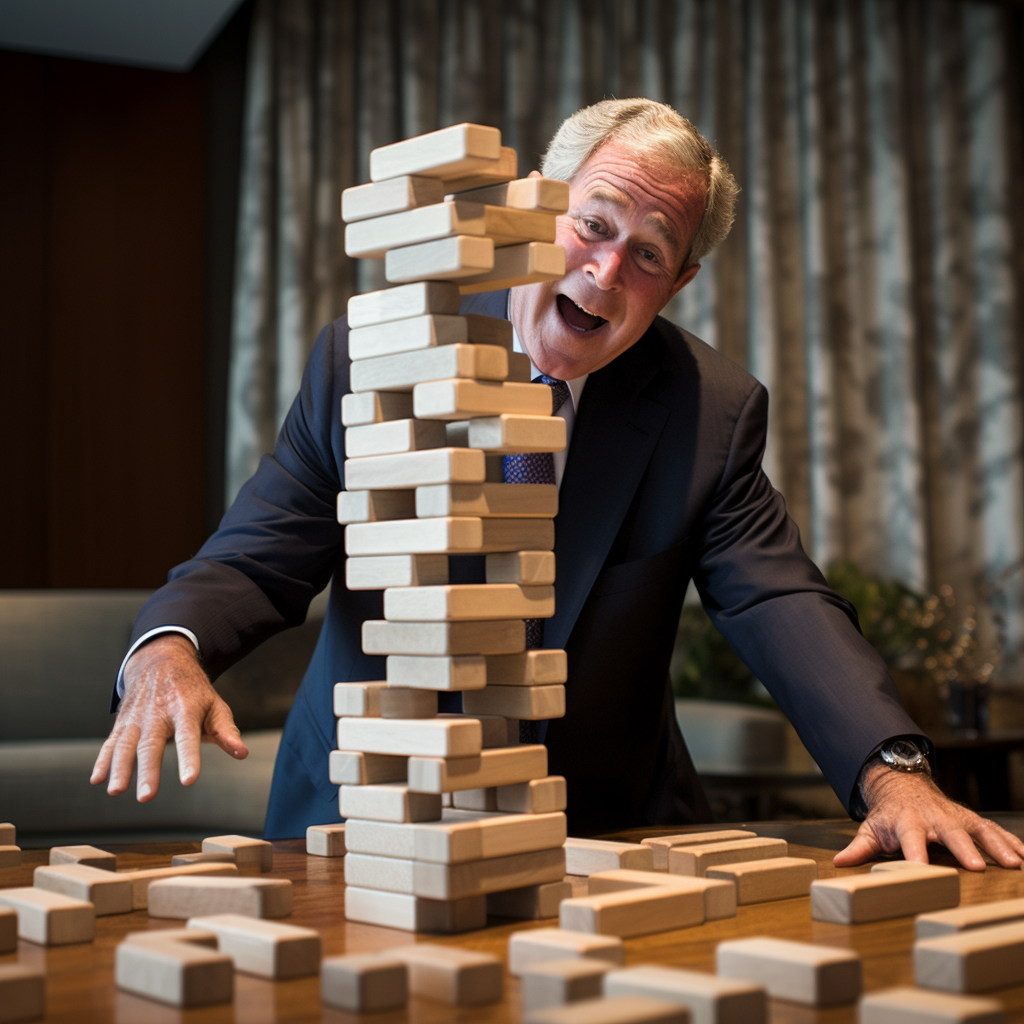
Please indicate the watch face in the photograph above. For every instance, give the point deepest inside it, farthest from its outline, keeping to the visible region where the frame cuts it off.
(904, 756)
(904, 750)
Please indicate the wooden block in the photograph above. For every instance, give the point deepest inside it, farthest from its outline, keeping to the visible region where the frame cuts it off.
(613, 1010)
(908, 865)
(141, 880)
(530, 668)
(500, 767)
(461, 977)
(355, 768)
(537, 796)
(485, 799)
(662, 844)
(406, 702)
(780, 878)
(468, 602)
(189, 897)
(409, 300)
(364, 982)
(8, 930)
(493, 728)
(160, 936)
(202, 858)
(414, 469)
(448, 259)
(388, 803)
(800, 971)
(512, 432)
(695, 860)
(719, 896)
(450, 535)
(541, 194)
(710, 999)
(916, 1006)
(371, 239)
(447, 154)
(375, 407)
(409, 335)
(87, 855)
(378, 199)
(435, 639)
(975, 915)
(515, 265)
(435, 737)
(462, 672)
(634, 912)
(105, 890)
(489, 330)
(10, 856)
(498, 500)
(9, 834)
(456, 399)
(267, 949)
(377, 572)
(358, 700)
(325, 840)
(504, 170)
(542, 945)
(402, 371)
(531, 902)
(875, 896)
(413, 913)
(560, 982)
(177, 973)
(50, 918)
(22, 994)
(532, 703)
(528, 568)
(254, 853)
(454, 881)
(975, 960)
(392, 437)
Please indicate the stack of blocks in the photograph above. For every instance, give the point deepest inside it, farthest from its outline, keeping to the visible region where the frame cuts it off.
(437, 400)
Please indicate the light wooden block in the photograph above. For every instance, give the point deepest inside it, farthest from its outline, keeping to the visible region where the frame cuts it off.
(460, 977)
(536, 796)
(485, 799)
(531, 902)
(418, 299)
(10, 856)
(161, 936)
(446, 154)
(377, 572)
(358, 700)
(464, 399)
(468, 602)
(975, 960)
(377, 199)
(499, 767)
(695, 860)
(415, 469)
(527, 568)
(515, 265)
(917, 1006)
(372, 238)
(178, 973)
(545, 195)
(854, 899)
(403, 371)
(908, 865)
(530, 668)
(22, 994)
(364, 982)
(392, 437)
(780, 878)
(142, 879)
(799, 971)
(489, 330)
(375, 407)
(87, 855)
(974, 915)
(267, 949)
(202, 858)
(437, 737)
(355, 768)
(325, 840)
(542, 945)
(635, 912)
(409, 335)
(662, 844)
(462, 672)
(498, 500)
(8, 834)
(8, 930)
(585, 856)
(448, 639)
(50, 918)
(105, 890)
(560, 982)
(413, 913)
(493, 728)
(449, 259)
(450, 535)
(613, 1010)
(249, 852)
(406, 702)
(505, 169)
(710, 999)
(189, 897)
(719, 896)
(388, 803)
(512, 432)
(530, 703)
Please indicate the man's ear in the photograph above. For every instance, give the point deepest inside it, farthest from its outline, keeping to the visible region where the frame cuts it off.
(684, 278)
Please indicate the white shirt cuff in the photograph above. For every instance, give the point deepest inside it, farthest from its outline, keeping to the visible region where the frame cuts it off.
(147, 637)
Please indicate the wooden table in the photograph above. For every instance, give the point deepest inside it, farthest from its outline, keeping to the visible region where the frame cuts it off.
(80, 979)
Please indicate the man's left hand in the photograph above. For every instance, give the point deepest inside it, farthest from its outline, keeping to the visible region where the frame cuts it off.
(907, 812)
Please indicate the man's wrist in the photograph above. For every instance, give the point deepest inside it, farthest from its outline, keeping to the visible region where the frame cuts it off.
(896, 758)
(147, 638)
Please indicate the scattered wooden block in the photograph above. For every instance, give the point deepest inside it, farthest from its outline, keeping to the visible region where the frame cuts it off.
(710, 999)
(358, 700)
(405, 702)
(461, 977)
(878, 896)
(376, 572)
(541, 194)
(190, 897)
(388, 803)
(22, 994)
(354, 768)
(975, 915)
(193, 936)
(634, 912)
(513, 265)
(695, 860)
(254, 853)
(585, 856)
(447, 154)
(512, 432)
(413, 913)
(375, 407)
(8, 834)
(105, 890)
(410, 300)
(780, 878)
(178, 973)
(435, 639)
(458, 399)
(432, 737)
(529, 668)
(662, 844)
(530, 703)
(364, 983)
(267, 949)
(531, 902)
(325, 840)
(462, 672)
(372, 506)
(50, 918)
(415, 469)
(800, 971)
(537, 796)
(916, 1006)
(504, 170)
(87, 855)
(202, 858)
(499, 767)
(401, 372)
(560, 982)
(975, 960)
(8, 929)
(719, 896)
(613, 1010)
(468, 602)
(485, 799)
(528, 948)
(908, 865)
(142, 879)
(409, 335)
(377, 199)
(10, 856)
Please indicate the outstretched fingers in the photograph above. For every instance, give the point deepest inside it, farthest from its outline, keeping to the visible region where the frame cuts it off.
(220, 727)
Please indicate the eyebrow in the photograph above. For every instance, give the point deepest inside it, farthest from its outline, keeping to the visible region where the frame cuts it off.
(618, 201)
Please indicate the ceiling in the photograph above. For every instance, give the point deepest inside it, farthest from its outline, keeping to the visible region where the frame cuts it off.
(168, 34)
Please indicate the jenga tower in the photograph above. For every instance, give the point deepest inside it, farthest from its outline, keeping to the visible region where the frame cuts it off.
(445, 809)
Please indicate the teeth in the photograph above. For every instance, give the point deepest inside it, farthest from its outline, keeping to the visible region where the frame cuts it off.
(585, 310)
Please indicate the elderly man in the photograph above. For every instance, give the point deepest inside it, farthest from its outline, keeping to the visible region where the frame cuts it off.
(662, 483)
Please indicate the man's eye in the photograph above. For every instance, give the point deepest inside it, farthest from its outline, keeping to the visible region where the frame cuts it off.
(648, 256)
(593, 226)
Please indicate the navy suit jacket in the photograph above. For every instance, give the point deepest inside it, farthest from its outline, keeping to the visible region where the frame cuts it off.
(663, 483)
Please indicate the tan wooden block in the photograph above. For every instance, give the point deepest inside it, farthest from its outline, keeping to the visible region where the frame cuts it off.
(10, 856)
(413, 913)
(267, 949)
(462, 672)
(915, 1006)
(662, 844)
(530, 668)
(485, 799)
(542, 945)
(545, 195)
(326, 840)
(178, 973)
(450, 639)
(249, 852)
(409, 335)
(530, 903)
(160, 936)
(613, 1010)
(414, 469)
(105, 890)
(379, 198)
(878, 896)
(388, 803)
(780, 878)
(499, 767)
(202, 858)
(493, 728)
(355, 768)
(515, 265)
(50, 918)
(468, 602)
(799, 971)
(358, 700)
(527, 568)
(87, 855)
(974, 915)
(375, 407)
(536, 796)
(189, 897)
(407, 702)
(710, 999)
(908, 865)
(489, 330)
(719, 896)
(505, 225)
(512, 432)
(454, 881)
(448, 535)
(532, 703)
(22, 994)
(377, 572)
(634, 912)
(504, 170)
(364, 982)
(560, 982)
(447, 154)
(8, 834)
(498, 500)
(418, 299)
(461, 977)
(449, 259)
(434, 737)
(585, 856)
(8, 930)
(403, 371)
(142, 879)
(393, 437)
(373, 238)
(975, 960)
(456, 399)
(695, 860)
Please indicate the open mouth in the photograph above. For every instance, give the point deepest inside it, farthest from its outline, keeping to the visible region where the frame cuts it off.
(577, 317)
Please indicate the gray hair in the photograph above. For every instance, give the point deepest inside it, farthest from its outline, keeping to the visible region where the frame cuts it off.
(653, 129)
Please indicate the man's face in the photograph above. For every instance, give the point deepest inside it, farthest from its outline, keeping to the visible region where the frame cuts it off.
(626, 236)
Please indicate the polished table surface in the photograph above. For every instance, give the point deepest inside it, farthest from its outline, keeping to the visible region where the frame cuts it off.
(80, 979)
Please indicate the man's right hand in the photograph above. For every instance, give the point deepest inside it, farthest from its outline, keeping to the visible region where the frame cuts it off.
(167, 696)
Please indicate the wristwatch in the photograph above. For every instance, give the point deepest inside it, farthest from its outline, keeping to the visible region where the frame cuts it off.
(905, 756)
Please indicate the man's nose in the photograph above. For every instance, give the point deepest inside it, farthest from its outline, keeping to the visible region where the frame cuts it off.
(604, 267)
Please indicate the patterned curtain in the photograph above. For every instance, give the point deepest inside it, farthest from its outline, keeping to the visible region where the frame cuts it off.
(873, 280)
